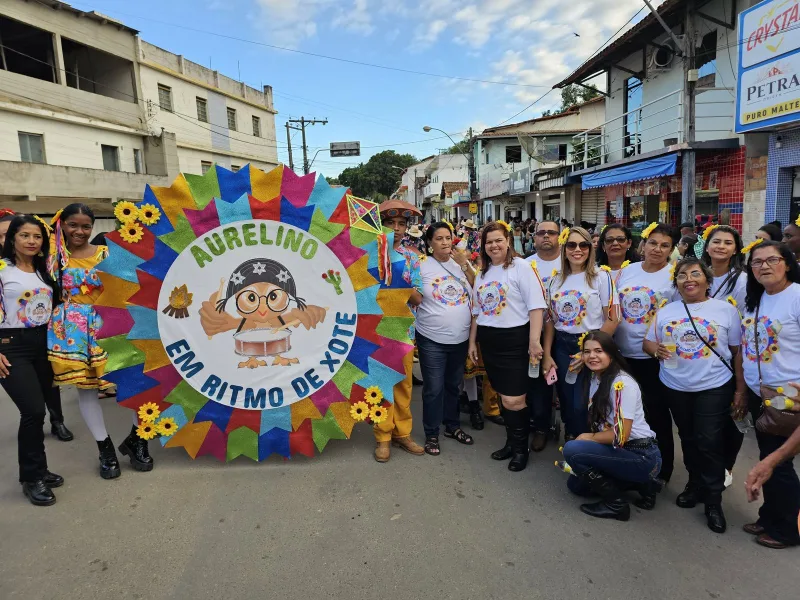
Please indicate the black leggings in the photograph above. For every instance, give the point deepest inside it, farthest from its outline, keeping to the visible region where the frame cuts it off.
(29, 383)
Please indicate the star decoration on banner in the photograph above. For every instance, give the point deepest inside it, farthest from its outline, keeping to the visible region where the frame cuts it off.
(237, 278)
(283, 276)
(364, 214)
(259, 268)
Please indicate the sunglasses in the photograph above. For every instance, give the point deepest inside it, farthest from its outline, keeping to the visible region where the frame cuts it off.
(544, 232)
(615, 240)
(581, 245)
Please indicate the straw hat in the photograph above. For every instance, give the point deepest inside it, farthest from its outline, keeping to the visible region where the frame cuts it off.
(414, 231)
(469, 224)
(398, 208)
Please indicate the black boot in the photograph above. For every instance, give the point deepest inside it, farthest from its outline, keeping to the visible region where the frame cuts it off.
(613, 505)
(716, 518)
(475, 415)
(136, 449)
(60, 430)
(109, 465)
(505, 452)
(519, 428)
(463, 403)
(647, 492)
(689, 497)
(38, 493)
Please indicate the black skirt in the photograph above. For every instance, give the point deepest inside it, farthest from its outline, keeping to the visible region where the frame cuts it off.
(505, 356)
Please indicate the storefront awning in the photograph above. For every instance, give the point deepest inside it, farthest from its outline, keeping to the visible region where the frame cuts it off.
(660, 166)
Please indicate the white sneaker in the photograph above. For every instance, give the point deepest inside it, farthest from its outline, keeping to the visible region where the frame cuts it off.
(728, 478)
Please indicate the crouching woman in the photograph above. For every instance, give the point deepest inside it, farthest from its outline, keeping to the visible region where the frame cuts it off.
(621, 452)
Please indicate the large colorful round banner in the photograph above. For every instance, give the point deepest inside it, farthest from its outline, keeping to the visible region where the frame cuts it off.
(252, 313)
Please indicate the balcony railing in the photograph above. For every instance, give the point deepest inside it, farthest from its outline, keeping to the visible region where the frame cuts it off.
(654, 125)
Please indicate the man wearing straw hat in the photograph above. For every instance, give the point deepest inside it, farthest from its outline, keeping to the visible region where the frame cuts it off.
(396, 429)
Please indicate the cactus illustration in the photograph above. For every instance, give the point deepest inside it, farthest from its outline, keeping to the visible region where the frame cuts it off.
(335, 279)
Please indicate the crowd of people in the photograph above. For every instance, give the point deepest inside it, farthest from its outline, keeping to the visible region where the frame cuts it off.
(691, 329)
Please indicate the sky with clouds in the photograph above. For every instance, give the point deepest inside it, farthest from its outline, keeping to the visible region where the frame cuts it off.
(532, 43)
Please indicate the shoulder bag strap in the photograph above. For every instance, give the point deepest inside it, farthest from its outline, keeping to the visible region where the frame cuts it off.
(705, 341)
(755, 341)
(731, 273)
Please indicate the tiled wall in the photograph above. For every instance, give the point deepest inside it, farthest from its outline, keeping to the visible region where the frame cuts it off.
(779, 175)
(727, 167)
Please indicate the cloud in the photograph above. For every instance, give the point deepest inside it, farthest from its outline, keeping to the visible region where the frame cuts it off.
(290, 23)
(357, 18)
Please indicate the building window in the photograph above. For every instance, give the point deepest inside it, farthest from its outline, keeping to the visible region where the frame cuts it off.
(110, 158)
(256, 127)
(31, 148)
(205, 166)
(513, 154)
(235, 168)
(138, 164)
(165, 97)
(232, 119)
(202, 110)
(707, 60)
(632, 103)
(562, 153)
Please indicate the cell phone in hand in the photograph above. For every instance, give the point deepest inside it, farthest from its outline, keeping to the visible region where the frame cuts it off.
(551, 377)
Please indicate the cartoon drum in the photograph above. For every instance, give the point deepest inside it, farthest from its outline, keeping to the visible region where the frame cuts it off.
(262, 342)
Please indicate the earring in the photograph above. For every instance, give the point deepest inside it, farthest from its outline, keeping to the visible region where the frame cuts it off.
(40, 253)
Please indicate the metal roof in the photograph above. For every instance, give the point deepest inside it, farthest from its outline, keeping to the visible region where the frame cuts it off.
(93, 15)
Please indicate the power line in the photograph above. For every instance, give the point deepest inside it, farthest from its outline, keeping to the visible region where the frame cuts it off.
(335, 58)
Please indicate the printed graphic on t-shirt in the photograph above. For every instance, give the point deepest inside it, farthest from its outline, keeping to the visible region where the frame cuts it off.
(492, 297)
(569, 306)
(639, 303)
(768, 332)
(449, 291)
(35, 307)
(690, 345)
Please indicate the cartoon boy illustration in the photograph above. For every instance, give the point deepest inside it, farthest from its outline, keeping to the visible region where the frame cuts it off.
(263, 292)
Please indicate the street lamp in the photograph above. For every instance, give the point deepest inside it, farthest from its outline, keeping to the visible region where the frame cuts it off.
(469, 157)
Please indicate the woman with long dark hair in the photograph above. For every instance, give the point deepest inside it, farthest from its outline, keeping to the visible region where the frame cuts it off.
(770, 232)
(697, 338)
(643, 289)
(614, 247)
(77, 358)
(581, 298)
(442, 333)
(507, 308)
(620, 448)
(772, 360)
(27, 294)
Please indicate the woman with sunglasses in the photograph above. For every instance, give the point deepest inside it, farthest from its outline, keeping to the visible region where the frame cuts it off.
(615, 247)
(772, 361)
(643, 288)
(581, 298)
(507, 307)
(698, 340)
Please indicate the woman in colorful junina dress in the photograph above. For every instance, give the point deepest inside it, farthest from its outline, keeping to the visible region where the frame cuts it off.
(76, 357)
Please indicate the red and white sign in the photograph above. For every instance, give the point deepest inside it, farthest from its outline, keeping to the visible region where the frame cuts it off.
(770, 31)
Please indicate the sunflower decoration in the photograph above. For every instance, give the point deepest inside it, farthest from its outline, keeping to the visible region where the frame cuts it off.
(166, 426)
(3, 264)
(126, 212)
(373, 395)
(377, 414)
(131, 232)
(147, 431)
(359, 411)
(27, 295)
(449, 225)
(732, 301)
(797, 221)
(707, 232)
(580, 339)
(149, 214)
(618, 386)
(534, 266)
(625, 264)
(504, 224)
(148, 413)
(554, 273)
(605, 268)
(648, 230)
(747, 249)
(706, 352)
(564, 236)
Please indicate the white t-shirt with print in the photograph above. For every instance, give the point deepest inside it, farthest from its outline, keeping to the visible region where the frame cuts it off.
(698, 369)
(739, 288)
(27, 300)
(444, 315)
(545, 267)
(778, 339)
(576, 306)
(504, 297)
(640, 295)
(631, 405)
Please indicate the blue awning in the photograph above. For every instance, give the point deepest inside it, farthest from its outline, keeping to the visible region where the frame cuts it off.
(660, 166)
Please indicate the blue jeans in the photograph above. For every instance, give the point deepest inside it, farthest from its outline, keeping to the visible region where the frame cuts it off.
(635, 466)
(442, 367)
(574, 406)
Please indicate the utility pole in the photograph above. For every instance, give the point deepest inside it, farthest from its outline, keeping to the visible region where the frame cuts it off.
(289, 143)
(473, 187)
(689, 83)
(303, 122)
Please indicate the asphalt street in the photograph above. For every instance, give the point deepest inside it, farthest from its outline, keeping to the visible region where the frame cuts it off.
(344, 527)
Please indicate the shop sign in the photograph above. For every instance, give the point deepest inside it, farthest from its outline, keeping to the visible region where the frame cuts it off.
(473, 208)
(519, 182)
(768, 92)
